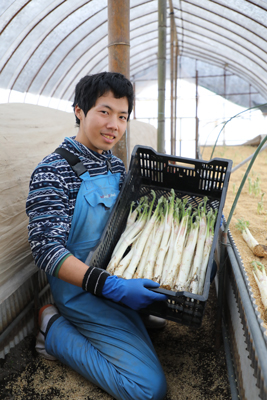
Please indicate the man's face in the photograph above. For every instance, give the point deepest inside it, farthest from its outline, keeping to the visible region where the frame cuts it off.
(104, 124)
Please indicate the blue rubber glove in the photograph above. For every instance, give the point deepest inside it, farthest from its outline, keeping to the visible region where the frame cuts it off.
(131, 292)
(221, 222)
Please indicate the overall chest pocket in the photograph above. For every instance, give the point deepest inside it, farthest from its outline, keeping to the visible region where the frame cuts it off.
(106, 198)
(99, 204)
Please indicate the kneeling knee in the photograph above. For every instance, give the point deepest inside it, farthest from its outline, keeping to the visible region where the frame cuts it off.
(156, 386)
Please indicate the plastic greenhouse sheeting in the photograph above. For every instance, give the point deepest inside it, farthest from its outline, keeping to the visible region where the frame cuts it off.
(47, 46)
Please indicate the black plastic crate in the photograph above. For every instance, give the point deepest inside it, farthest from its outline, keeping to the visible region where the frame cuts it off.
(191, 179)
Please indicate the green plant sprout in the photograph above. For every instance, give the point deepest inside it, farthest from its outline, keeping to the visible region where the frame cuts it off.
(233, 188)
(249, 185)
(257, 188)
(260, 205)
(254, 187)
(242, 224)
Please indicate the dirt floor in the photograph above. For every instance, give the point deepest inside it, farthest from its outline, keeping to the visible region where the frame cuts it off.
(194, 368)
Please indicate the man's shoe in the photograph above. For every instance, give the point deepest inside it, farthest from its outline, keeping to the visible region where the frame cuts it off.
(47, 315)
(153, 322)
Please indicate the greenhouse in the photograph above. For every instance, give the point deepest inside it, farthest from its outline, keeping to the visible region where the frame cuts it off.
(197, 129)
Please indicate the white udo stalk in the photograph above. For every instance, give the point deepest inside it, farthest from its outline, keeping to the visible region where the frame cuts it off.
(206, 251)
(169, 278)
(125, 261)
(243, 225)
(257, 249)
(128, 274)
(123, 264)
(168, 223)
(251, 241)
(169, 255)
(133, 214)
(261, 280)
(181, 282)
(151, 258)
(132, 221)
(139, 273)
(126, 240)
(194, 275)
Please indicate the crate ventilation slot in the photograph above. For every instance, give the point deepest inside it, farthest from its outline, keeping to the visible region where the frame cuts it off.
(151, 169)
(211, 177)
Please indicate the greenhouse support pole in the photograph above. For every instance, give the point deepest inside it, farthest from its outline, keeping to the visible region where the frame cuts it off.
(161, 74)
(197, 122)
(175, 93)
(224, 84)
(119, 58)
(134, 102)
(172, 81)
(173, 77)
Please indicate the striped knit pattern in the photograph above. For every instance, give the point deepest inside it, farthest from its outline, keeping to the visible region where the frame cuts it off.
(51, 201)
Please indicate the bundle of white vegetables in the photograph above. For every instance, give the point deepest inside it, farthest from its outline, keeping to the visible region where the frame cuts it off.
(170, 245)
(261, 279)
(259, 250)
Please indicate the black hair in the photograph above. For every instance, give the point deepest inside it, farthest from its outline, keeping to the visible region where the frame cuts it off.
(91, 87)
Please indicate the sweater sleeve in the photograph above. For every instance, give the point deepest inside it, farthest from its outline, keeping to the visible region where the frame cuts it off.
(47, 207)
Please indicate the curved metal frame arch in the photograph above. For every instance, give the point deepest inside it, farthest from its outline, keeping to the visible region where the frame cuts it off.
(234, 33)
(72, 66)
(236, 52)
(27, 34)
(44, 37)
(65, 56)
(14, 15)
(236, 71)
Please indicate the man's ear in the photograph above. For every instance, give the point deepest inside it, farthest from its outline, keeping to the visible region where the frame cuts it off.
(78, 112)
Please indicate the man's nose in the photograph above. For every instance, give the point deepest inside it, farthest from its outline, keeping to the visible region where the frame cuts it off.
(113, 122)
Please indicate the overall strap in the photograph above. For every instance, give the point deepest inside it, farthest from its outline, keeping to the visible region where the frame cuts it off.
(73, 161)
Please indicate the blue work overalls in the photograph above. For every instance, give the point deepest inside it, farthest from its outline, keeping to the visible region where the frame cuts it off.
(105, 342)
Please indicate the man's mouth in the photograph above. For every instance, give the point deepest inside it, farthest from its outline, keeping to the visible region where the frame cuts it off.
(108, 136)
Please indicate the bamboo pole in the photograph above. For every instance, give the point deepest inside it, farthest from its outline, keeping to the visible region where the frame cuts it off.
(119, 57)
(161, 74)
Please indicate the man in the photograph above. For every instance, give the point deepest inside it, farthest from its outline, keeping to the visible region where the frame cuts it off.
(94, 327)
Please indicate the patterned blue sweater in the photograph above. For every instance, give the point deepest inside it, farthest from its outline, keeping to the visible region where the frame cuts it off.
(51, 201)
